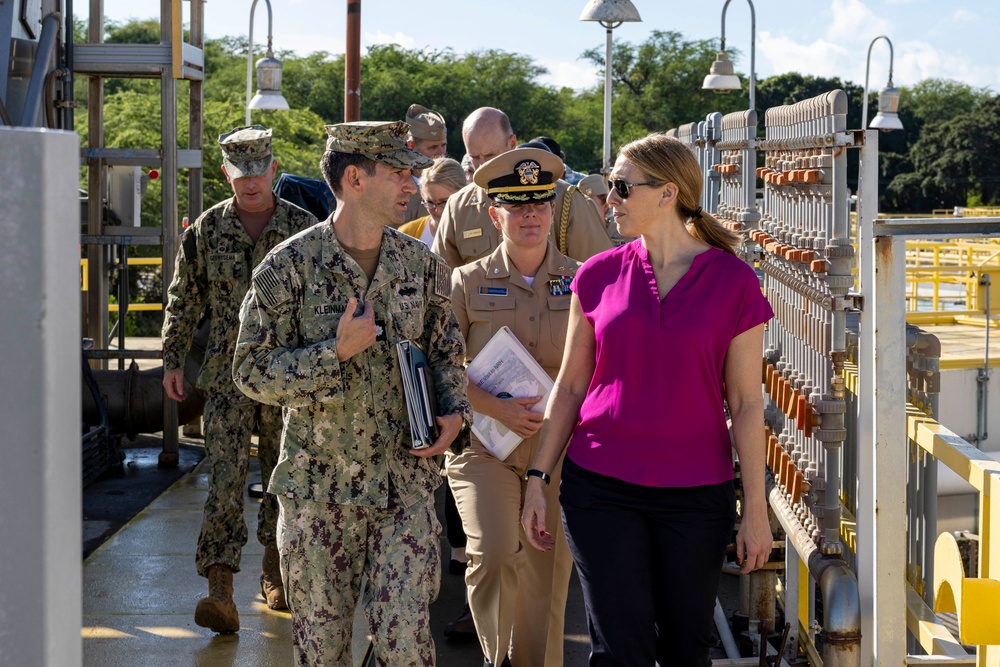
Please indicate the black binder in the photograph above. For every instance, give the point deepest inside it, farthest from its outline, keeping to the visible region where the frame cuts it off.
(421, 399)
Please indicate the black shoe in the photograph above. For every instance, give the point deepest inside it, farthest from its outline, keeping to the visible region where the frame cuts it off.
(457, 567)
(462, 628)
(505, 663)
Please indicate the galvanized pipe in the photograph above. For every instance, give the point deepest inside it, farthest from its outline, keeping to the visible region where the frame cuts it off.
(43, 57)
(839, 587)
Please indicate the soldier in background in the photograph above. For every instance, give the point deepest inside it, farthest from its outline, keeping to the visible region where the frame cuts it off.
(466, 231)
(214, 263)
(429, 137)
(595, 186)
(317, 336)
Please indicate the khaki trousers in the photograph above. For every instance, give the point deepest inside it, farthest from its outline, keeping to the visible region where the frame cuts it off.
(517, 594)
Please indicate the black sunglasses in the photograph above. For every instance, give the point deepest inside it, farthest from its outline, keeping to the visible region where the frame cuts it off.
(622, 188)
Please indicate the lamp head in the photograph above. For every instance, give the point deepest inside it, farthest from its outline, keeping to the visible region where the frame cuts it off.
(610, 13)
(887, 118)
(268, 85)
(721, 78)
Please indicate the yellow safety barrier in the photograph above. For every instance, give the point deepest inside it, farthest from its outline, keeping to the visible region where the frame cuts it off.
(133, 261)
(975, 600)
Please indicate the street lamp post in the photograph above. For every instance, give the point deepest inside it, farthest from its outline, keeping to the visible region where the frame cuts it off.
(887, 118)
(721, 77)
(610, 14)
(268, 72)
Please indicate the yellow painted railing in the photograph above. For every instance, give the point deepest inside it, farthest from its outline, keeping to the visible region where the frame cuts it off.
(975, 600)
(133, 261)
(958, 265)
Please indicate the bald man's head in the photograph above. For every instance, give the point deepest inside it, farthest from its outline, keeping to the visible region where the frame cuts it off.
(487, 133)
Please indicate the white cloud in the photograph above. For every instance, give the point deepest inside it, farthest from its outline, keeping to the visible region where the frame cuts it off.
(853, 19)
(963, 16)
(821, 57)
(304, 44)
(575, 75)
(917, 60)
(399, 38)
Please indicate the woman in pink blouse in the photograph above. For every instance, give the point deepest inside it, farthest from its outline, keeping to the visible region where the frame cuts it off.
(665, 332)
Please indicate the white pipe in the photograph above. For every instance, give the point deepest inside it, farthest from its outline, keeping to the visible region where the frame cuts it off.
(725, 633)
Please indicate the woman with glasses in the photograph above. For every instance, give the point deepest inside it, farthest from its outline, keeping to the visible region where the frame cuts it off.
(665, 333)
(517, 594)
(438, 182)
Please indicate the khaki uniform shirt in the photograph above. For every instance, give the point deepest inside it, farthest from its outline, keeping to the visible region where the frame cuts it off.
(214, 262)
(490, 293)
(466, 232)
(347, 434)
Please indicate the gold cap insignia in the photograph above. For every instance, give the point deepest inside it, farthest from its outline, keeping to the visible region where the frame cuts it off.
(528, 171)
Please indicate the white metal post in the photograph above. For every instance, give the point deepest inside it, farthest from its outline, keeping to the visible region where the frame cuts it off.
(40, 576)
(889, 254)
(867, 212)
(606, 167)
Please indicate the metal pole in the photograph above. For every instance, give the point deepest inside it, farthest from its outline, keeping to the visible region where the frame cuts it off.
(168, 207)
(97, 255)
(866, 516)
(352, 63)
(250, 49)
(196, 116)
(753, 45)
(606, 166)
(868, 64)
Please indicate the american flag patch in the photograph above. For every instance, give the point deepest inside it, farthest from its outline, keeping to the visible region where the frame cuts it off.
(442, 279)
(270, 291)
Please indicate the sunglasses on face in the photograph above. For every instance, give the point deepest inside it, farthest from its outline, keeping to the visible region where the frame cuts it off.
(622, 188)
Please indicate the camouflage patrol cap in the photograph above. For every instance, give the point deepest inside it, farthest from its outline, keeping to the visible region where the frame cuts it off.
(593, 185)
(246, 151)
(378, 140)
(425, 124)
(520, 176)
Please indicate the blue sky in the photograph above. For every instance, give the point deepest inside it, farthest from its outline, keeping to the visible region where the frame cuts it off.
(931, 38)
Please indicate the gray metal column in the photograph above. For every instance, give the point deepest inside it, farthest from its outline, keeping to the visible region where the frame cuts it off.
(168, 123)
(40, 576)
(97, 273)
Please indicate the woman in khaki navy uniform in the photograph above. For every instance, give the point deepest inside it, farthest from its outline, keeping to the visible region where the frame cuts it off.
(517, 594)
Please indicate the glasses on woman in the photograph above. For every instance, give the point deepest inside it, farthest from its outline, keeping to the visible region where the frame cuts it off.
(623, 189)
(430, 203)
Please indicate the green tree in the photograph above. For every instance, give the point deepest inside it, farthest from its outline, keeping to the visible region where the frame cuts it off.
(657, 84)
(955, 162)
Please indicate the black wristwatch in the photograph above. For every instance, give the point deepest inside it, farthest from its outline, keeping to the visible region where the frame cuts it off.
(532, 472)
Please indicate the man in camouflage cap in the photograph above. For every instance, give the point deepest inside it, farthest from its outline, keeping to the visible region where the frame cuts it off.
(214, 263)
(428, 136)
(318, 331)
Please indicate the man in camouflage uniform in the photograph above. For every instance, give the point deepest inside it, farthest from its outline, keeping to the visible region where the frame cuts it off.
(428, 136)
(466, 231)
(318, 330)
(214, 263)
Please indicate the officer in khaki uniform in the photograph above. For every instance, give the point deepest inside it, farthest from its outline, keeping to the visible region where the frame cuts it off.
(517, 594)
(216, 257)
(429, 137)
(466, 233)
(318, 330)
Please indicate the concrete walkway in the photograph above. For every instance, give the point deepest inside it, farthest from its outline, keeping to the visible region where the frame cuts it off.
(140, 589)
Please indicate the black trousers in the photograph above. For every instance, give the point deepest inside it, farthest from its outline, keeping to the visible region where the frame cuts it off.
(649, 560)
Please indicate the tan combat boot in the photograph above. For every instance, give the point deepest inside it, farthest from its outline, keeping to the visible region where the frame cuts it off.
(217, 612)
(270, 581)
